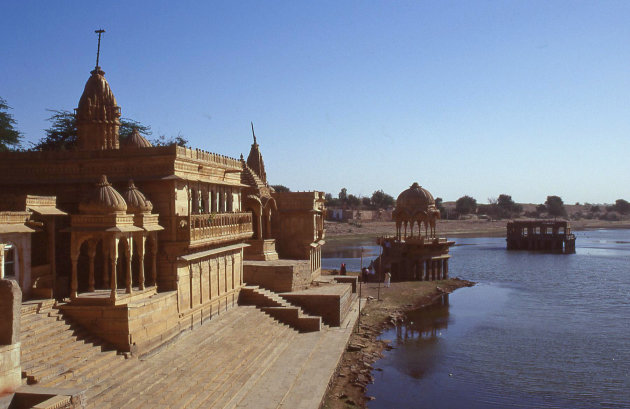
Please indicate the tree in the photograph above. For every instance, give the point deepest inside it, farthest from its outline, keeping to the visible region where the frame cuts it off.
(343, 195)
(10, 137)
(365, 202)
(280, 188)
(353, 201)
(382, 200)
(555, 206)
(163, 140)
(330, 201)
(62, 134)
(439, 204)
(507, 207)
(622, 206)
(466, 205)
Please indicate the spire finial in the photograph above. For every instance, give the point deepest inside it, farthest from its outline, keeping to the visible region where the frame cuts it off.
(98, 50)
(253, 134)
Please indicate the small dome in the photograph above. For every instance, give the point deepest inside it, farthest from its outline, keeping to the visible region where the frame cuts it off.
(415, 199)
(136, 201)
(136, 140)
(104, 199)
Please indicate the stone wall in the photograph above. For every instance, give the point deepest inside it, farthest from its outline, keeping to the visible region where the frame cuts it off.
(279, 275)
(10, 313)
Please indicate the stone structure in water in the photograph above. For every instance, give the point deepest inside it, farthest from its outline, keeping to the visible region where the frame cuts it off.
(541, 235)
(420, 257)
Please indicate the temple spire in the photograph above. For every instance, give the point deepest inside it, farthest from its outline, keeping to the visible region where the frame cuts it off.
(253, 134)
(98, 50)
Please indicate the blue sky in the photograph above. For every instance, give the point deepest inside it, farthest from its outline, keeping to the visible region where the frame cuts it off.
(527, 98)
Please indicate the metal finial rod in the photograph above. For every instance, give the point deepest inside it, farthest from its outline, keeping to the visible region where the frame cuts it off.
(98, 50)
(253, 134)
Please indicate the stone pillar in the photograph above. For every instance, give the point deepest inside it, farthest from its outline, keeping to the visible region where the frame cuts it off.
(154, 250)
(141, 241)
(421, 270)
(129, 255)
(74, 284)
(10, 311)
(1, 261)
(52, 256)
(445, 268)
(113, 259)
(91, 255)
(105, 265)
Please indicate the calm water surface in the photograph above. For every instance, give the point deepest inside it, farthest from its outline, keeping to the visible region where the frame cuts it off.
(539, 330)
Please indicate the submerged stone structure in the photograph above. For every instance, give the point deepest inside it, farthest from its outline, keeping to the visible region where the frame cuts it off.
(541, 235)
(423, 257)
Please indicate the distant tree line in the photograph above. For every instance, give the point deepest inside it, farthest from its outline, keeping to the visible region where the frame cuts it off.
(378, 200)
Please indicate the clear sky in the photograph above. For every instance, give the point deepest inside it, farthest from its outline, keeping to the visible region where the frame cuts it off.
(527, 98)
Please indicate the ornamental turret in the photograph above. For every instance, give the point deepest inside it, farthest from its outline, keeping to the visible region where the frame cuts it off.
(97, 115)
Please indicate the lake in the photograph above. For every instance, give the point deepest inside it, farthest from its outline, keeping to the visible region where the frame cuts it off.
(537, 331)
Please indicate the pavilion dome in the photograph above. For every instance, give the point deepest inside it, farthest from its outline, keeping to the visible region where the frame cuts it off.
(136, 140)
(136, 200)
(415, 199)
(104, 199)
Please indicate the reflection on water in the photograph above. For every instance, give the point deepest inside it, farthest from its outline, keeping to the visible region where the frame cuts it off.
(333, 254)
(538, 331)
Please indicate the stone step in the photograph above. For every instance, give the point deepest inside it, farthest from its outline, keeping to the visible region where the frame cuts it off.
(238, 364)
(84, 372)
(98, 396)
(197, 370)
(62, 364)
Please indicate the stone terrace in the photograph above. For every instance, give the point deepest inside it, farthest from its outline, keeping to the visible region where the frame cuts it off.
(239, 359)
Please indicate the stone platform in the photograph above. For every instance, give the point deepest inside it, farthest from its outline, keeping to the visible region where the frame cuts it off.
(330, 301)
(241, 358)
(278, 275)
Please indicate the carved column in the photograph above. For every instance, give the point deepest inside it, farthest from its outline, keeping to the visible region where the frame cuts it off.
(445, 268)
(105, 264)
(141, 241)
(1, 261)
(129, 255)
(113, 258)
(74, 257)
(91, 255)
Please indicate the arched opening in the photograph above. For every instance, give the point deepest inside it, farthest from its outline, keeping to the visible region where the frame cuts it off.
(83, 266)
(10, 261)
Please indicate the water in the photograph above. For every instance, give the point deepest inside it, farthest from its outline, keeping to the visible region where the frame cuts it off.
(538, 331)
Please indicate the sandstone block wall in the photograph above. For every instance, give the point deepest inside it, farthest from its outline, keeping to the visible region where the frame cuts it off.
(289, 276)
(10, 313)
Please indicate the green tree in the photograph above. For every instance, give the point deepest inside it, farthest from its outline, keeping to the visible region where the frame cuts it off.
(62, 134)
(382, 200)
(10, 137)
(331, 201)
(280, 188)
(622, 206)
(466, 205)
(507, 207)
(163, 140)
(343, 195)
(439, 204)
(353, 201)
(555, 206)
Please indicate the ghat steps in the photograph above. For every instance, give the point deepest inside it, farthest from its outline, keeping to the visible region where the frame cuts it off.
(54, 350)
(279, 308)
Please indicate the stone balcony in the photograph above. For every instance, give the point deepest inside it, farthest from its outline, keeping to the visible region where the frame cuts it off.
(213, 228)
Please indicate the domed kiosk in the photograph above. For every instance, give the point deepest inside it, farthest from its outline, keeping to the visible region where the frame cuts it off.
(415, 257)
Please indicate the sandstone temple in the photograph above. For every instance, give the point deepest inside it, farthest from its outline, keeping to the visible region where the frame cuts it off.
(127, 267)
(421, 257)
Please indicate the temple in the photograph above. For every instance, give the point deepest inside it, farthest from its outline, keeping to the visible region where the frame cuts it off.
(130, 245)
(421, 257)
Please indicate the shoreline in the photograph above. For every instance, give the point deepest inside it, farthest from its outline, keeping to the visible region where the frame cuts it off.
(354, 373)
(340, 231)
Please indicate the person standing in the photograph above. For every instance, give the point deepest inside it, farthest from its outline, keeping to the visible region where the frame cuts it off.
(342, 270)
(388, 279)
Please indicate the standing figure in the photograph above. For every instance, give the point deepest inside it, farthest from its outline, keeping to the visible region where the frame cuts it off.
(342, 270)
(388, 279)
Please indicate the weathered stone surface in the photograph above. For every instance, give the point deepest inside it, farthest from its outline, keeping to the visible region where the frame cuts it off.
(10, 307)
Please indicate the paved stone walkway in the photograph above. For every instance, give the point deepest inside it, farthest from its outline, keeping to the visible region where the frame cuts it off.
(240, 359)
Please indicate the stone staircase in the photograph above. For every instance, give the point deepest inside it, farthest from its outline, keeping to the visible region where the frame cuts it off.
(279, 308)
(57, 353)
(208, 368)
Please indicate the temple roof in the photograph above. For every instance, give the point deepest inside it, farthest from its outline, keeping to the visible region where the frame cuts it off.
(255, 160)
(103, 199)
(136, 140)
(98, 101)
(136, 200)
(415, 199)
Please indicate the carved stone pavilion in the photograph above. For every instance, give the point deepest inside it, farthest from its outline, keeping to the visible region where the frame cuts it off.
(406, 256)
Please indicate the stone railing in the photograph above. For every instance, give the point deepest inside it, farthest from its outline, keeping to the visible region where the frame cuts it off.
(214, 158)
(215, 227)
